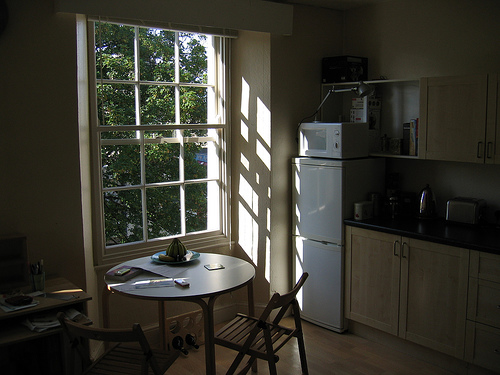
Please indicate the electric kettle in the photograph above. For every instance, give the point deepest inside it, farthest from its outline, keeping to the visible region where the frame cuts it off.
(427, 205)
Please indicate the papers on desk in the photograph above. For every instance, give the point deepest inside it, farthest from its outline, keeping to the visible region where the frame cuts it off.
(7, 307)
(43, 322)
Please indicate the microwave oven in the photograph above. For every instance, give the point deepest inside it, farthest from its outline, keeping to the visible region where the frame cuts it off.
(342, 140)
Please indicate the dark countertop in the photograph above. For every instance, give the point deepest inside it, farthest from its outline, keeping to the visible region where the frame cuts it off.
(475, 237)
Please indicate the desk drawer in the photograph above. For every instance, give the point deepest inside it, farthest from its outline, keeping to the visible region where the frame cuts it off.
(483, 346)
(484, 302)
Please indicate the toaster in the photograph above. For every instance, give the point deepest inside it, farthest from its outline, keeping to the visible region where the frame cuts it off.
(465, 210)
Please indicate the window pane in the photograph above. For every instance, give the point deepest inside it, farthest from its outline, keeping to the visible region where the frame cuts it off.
(157, 57)
(164, 211)
(114, 51)
(118, 135)
(121, 165)
(123, 218)
(162, 159)
(193, 105)
(196, 207)
(116, 104)
(157, 104)
(193, 57)
(195, 155)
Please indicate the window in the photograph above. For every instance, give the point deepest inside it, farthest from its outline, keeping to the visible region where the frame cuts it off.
(158, 136)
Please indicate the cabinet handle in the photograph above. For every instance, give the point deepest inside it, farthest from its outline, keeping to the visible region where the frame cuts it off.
(479, 152)
(403, 250)
(489, 150)
(394, 248)
(496, 351)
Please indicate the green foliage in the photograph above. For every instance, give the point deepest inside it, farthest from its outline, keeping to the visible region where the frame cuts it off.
(121, 163)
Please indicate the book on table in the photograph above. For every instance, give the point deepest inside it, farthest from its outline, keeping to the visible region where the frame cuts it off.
(123, 273)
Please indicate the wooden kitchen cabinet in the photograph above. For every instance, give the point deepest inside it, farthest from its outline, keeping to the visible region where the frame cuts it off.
(492, 152)
(414, 289)
(453, 118)
(433, 304)
(372, 278)
(483, 317)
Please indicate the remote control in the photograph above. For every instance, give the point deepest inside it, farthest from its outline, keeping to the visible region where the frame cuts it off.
(181, 282)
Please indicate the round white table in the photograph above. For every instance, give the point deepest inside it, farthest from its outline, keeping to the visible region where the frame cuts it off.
(205, 287)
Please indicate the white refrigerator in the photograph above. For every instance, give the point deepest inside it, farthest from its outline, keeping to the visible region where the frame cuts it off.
(324, 193)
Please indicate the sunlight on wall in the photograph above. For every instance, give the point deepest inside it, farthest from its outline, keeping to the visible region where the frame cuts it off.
(244, 130)
(264, 122)
(254, 187)
(299, 257)
(245, 98)
(264, 132)
(245, 162)
(249, 233)
(296, 187)
(249, 196)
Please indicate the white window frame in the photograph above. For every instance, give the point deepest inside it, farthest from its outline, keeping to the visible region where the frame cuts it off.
(217, 104)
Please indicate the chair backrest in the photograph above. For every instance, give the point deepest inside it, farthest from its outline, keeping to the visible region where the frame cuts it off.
(76, 332)
(134, 334)
(283, 302)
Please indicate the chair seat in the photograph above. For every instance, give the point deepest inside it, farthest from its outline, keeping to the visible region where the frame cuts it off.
(234, 334)
(128, 359)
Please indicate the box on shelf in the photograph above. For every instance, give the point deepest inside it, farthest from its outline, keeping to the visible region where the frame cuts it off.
(357, 115)
(358, 102)
(413, 135)
(344, 69)
(374, 130)
(406, 139)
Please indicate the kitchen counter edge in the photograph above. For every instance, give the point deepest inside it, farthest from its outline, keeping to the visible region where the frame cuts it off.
(472, 237)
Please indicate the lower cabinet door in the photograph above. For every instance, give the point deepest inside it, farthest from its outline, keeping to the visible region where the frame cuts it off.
(483, 346)
(372, 283)
(433, 305)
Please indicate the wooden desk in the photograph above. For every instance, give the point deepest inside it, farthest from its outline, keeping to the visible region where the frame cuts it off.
(13, 332)
(204, 284)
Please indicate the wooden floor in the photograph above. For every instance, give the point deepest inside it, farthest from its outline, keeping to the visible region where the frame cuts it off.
(327, 353)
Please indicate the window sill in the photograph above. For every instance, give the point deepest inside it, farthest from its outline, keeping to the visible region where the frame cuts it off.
(200, 243)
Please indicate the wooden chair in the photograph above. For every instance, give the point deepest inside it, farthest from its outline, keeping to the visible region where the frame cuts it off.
(120, 358)
(262, 337)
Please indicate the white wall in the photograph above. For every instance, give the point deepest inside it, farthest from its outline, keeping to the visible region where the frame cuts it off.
(39, 150)
(276, 82)
(411, 39)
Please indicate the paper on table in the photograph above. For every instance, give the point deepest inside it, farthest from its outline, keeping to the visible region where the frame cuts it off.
(161, 269)
(144, 284)
(158, 269)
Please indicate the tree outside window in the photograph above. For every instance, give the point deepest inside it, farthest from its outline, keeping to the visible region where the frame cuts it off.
(158, 133)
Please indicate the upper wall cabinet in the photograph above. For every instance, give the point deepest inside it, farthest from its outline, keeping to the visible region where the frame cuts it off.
(458, 118)
(492, 153)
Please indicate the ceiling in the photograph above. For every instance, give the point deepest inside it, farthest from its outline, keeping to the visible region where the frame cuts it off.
(333, 4)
